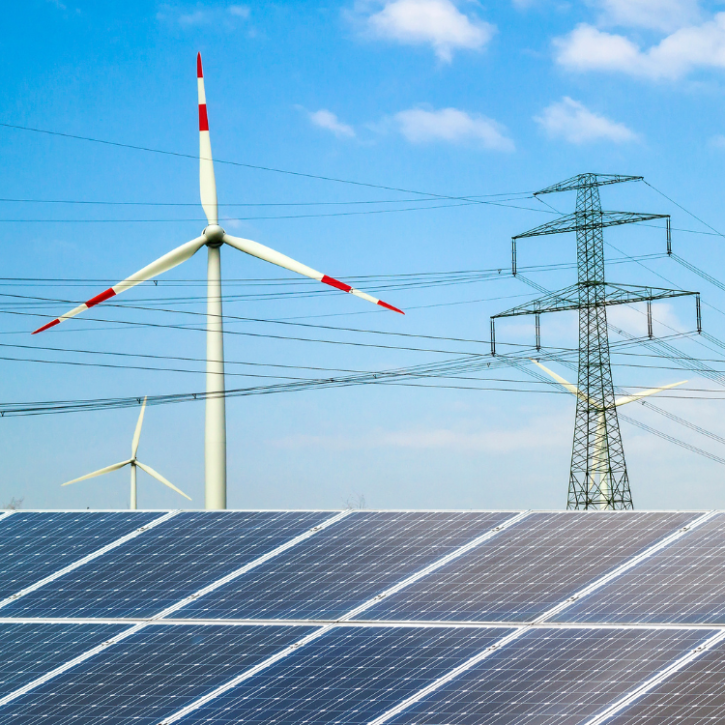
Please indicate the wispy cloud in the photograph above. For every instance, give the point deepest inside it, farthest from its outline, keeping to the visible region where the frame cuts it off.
(587, 48)
(419, 125)
(438, 23)
(538, 434)
(664, 15)
(330, 122)
(572, 121)
(202, 14)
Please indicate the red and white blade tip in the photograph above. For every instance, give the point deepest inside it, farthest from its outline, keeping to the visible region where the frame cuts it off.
(110, 292)
(347, 288)
(199, 71)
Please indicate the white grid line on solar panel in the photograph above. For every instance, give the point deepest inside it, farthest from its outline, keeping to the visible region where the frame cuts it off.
(657, 679)
(694, 695)
(569, 512)
(138, 627)
(89, 557)
(689, 574)
(71, 663)
(252, 565)
(174, 561)
(385, 624)
(457, 553)
(334, 573)
(311, 637)
(393, 712)
(29, 650)
(548, 678)
(528, 570)
(623, 568)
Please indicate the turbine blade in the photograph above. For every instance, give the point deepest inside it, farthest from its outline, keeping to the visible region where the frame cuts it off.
(100, 472)
(159, 477)
(137, 432)
(282, 260)
(207, 182)
(161, 265)
(637, 396)
(564, 383)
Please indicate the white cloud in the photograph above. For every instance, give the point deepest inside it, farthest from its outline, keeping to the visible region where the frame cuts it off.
(664, 15)
(572, 121)
(438, 23)
(587, 48)
(718, 141)
(239, 11)
(201, 14)
(419, 125)
(540, 433)
(329, 121)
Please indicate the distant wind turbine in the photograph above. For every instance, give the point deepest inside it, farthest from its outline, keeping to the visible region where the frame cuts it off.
(133, 462)
(213, 237)
(599, 464)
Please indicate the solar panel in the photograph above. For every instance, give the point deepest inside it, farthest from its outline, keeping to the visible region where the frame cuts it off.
(349, 675)
(696, 694)
(529, 568)
(35, 544)
(29, 650)
(682, 583)
(148, 675)
(363, 617)
(328, 575)
(172, 561)
(552, 677)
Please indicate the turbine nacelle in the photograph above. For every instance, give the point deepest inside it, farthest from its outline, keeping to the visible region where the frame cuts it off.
(214, 235)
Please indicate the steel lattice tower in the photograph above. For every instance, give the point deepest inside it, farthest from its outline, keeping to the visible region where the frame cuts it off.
(596, 446)
(598, 476)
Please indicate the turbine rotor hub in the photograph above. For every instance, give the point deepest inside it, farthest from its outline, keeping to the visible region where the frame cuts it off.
(214, 235)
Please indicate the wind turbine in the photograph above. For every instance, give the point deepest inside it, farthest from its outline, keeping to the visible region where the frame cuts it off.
(133, 462)
(599, 464)
(213, 236)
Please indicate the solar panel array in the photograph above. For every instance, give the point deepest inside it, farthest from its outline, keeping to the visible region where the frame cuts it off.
(362, 617)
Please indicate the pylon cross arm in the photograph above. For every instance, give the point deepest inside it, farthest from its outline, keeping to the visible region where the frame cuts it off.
(586, 220)
(571, 298)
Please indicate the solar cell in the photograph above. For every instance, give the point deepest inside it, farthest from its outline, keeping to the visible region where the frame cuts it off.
(552, 677)
(34, 544)
(682, 583)
(693, 696)
(529, 568)
(328, 575)
(148, 675)
(167, 563)
(350, 675)
(29, 650)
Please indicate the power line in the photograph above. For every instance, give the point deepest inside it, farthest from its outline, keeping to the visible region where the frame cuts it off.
(256, 167)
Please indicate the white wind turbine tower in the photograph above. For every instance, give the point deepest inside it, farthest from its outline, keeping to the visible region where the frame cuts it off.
(598, 465)
(213, 236)
(133, 462)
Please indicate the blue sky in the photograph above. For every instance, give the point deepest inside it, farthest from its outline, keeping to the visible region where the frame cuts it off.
(451, 98)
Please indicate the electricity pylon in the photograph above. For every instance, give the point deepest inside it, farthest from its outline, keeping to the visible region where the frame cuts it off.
(598, 477)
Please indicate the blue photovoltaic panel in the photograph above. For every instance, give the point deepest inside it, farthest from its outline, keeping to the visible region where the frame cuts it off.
(148, 676)
(345, 565)
(35, 544)
(692, 696)
(531, 567)
(165, 564)
(30, 650)
(553, 677)
(348, 676)
(682, 583)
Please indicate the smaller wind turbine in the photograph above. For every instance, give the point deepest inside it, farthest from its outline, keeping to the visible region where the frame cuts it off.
(133, 462)
(599, 464)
